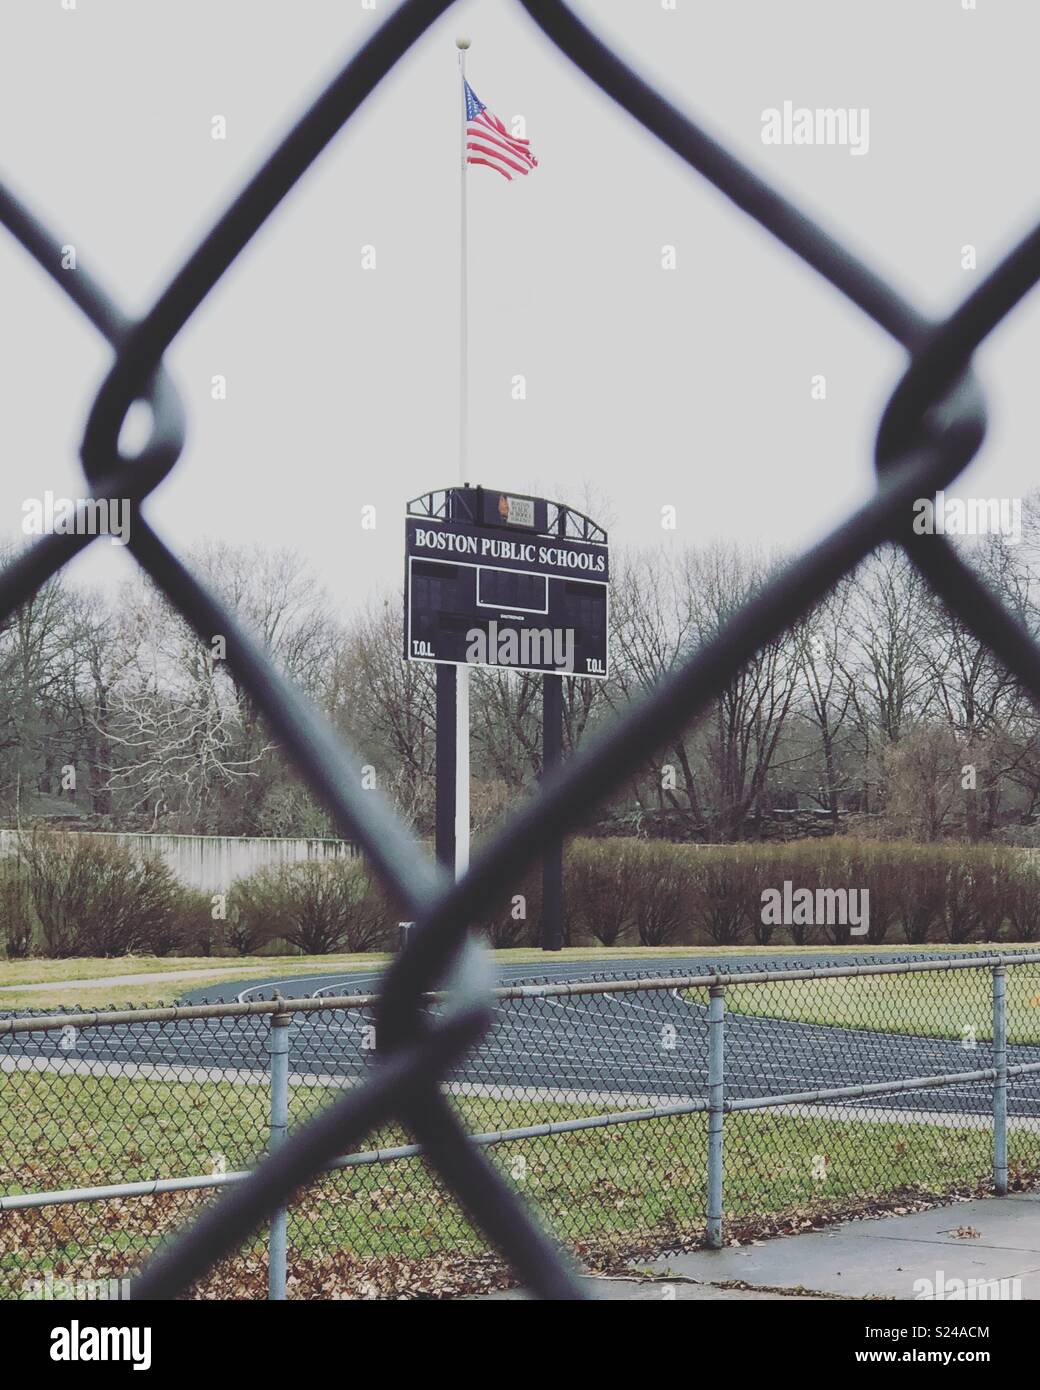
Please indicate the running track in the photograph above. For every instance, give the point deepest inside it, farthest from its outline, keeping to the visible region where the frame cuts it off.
(617, 1050)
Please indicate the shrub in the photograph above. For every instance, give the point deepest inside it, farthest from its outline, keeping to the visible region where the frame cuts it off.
(247, 926)
(975, 892)
(799, 863)
(1023, 900)
(844, 865)
(16, 914)
(93, 898)
(922, 883)
(194, 931)
(514, 916)
(879, 877)
(318, 906)
(377, 913)
(726, 894)
(662, 891)
(600, 888)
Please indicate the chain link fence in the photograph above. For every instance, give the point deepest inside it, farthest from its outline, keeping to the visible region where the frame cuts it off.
(932, 427)
(640, 1115)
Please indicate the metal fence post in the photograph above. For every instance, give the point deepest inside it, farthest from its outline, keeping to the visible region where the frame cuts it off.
(277, 1245)
(1000, 1084)
(716, 1097)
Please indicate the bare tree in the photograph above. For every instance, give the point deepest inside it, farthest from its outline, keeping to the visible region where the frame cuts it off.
(664, 610)
(174, 718)
(34, 654)
(885, 663)
(827, 693)
(386, 707)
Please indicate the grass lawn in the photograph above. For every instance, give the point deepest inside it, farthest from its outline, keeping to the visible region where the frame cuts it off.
(63, 989)
(223, 971)
(935, 1004)
(25, 972)
(615, 1185)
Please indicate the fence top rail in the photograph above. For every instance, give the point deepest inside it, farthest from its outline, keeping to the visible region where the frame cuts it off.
(110, 1018)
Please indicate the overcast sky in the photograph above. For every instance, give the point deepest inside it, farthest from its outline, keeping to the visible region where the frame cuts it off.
(689, 387)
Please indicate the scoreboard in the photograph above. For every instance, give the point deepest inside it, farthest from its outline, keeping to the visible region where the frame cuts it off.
(488, 583)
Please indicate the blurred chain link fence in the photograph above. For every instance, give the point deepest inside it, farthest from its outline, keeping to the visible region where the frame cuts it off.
(933, 425)
(640, 1115)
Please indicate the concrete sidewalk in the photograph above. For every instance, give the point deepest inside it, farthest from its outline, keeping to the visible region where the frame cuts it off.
(894, 1257)
(902, 1257)
(655, 1291)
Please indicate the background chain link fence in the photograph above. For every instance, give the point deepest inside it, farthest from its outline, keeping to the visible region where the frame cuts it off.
(931, 428)
(831, 1090)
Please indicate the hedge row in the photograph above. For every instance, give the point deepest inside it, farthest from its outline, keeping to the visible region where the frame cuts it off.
(655, 893)
(66, 896)
(69, 896)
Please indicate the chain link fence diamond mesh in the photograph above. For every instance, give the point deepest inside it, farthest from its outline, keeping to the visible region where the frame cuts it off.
(932, 427)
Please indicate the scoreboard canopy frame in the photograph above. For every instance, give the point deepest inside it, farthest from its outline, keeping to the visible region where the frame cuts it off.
(518, 568)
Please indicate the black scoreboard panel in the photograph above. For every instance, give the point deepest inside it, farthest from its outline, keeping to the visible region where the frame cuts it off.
(483, 595)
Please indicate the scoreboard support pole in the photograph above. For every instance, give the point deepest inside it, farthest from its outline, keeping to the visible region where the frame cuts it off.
(451, 834)
(552, 863)
(446, 791)
(461, 770)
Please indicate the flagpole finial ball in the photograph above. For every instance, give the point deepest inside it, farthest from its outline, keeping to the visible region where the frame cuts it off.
(462, 43)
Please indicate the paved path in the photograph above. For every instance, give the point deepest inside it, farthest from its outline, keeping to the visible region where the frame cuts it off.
(655, 1291)
(921, 1256)
(152, 977)
(986, 1250)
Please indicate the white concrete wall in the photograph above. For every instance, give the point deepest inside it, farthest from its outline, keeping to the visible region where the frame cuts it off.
(212, 862)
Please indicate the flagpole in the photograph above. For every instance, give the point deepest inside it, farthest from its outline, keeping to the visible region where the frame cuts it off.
(462, 826)
(462, 45)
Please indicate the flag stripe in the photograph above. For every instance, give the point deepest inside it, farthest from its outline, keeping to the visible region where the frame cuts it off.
(502, 145)
(514, 146)
(498, 158)
(488, 141)
(499, 129)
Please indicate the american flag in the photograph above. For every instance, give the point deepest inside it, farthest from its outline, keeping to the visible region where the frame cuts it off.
(488, 142)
